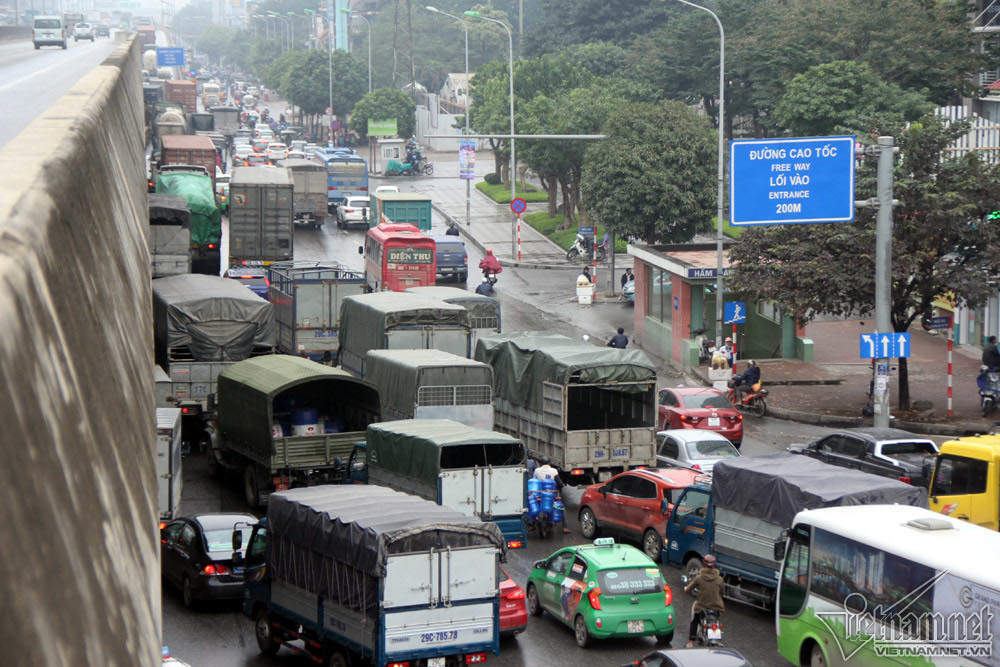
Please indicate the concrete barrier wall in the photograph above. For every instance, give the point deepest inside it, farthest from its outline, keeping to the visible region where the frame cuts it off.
(9, 33)
(79, 544)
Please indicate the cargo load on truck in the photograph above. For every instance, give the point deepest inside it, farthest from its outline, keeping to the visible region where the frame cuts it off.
(395, 320)
(371, 574)
(475, 471)
(206, 219)
(261, 230)
(432, 384)
(183, 92)
(169, 235)
(402, 208)
(287, 421)
(484, 310)
(310, 182)
(591, 410)
(190, 149)
(227, 119)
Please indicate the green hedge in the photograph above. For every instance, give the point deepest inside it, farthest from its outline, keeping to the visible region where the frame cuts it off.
(564, 238)
(501, 193)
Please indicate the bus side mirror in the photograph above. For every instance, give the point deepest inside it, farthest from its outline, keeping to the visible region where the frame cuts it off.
(361, 250)
(779, 551)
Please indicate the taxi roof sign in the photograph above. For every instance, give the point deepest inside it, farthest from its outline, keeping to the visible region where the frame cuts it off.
(604, 542)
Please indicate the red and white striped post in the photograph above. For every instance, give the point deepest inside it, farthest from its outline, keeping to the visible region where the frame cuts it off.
(518, 238)
(951, 336)
(594, 278)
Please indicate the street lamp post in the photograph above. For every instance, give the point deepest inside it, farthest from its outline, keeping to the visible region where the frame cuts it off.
(311, 23)
(284, 32)
(721, 171)
(367, 23)
(468, 181)
(513, 155)
(291, 28)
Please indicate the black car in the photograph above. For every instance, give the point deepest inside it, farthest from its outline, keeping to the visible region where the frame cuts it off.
(692, 657)
(196, 555)
(103, 30)
(890, 452)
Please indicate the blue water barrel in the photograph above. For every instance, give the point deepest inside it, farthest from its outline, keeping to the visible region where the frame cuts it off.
(533, 504)
(557, 511)
(548, 484)
(534, 485)
(548, 499)
(305, 416)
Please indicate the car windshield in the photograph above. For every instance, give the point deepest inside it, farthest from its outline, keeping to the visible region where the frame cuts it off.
(222, 540)
(49, 24)
(705, 401)
(450, 247)
(895, 448)
(630, 581)
(711, 449)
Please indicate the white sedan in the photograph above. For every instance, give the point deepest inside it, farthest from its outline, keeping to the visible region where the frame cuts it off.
(354, 211)
(692, 448)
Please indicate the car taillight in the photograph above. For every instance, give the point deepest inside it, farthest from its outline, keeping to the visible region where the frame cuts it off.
(185, 410)
(576, 471)
(348, 210)
(398, 664)
(905, 479)
(594, 596)
(516, 594)
(689, 419)
(697, 466)
(668, 595)
(474, 658)
(211, 246)
(163, 524)
(216, 568)
(515, 544)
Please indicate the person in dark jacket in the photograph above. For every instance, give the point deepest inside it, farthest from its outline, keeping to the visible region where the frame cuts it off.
(747, 379)
(452, 230)
(627, 276)
(991, 356)
(710, 586)
(619, 340)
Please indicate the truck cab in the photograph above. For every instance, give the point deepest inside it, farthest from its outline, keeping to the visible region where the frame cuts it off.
(966, 481)
(690, 526)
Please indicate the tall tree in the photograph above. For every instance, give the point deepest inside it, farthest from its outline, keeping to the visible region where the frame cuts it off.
(563, 24)
(941, 242)
(653, 178)
(384, 104)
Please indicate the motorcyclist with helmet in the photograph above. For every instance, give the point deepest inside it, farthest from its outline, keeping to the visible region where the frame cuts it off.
(745, 381)
(490, 266)
(710, 586)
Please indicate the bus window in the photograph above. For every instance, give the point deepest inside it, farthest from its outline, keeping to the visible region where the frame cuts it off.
(794, 578)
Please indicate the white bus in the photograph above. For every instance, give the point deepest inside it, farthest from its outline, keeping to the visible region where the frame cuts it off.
(888, 585)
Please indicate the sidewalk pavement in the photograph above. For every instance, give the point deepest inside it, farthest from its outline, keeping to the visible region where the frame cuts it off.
(830, 391)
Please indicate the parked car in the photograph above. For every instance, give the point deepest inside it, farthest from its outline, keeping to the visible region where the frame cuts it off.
(700, 407)
(513, 611)
(634, 505)
(254, 278)
(353, 211)
(692, 657)
(452, 258)
(603, 590)
(277, 151)
(890, 452)
(196, 555)
(83, 31)
(692, 448)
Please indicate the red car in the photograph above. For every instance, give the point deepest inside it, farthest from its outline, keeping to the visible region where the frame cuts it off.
(634, 505)
(700, 407)
(513, 612)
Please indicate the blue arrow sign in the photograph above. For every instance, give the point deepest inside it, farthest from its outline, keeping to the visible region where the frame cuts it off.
(734, 312)
(884, 345)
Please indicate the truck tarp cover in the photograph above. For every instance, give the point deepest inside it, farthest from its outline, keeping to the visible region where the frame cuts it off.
(169, 210)
(479, 306)
(359, 527)
(412, 447)
(365, 318)
(217, 319)
(776, 487)
(522, 361)
(206, 220)
(399, 373)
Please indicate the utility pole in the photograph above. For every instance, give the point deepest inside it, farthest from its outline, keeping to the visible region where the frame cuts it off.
(883, 275)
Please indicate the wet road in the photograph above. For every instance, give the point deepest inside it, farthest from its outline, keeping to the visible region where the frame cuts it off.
(30, 80)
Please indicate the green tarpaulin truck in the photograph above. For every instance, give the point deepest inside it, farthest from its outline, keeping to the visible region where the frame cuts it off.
(591, 410)
(289, 421)
(206, 219)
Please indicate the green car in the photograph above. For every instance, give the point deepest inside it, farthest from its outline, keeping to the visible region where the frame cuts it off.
(603, 590)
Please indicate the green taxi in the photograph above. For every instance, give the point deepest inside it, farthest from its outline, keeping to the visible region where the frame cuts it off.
(603, 590)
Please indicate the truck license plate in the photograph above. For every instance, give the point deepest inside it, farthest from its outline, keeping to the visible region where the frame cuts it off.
(713, 421)
(435, 662)
(636, 626)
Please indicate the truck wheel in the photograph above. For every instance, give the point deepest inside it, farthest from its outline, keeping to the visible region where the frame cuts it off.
(250, 489)
(580, 632)
(336, 659)
(588, 524)
(692, 567)
(264, 632)
(534, 606)
(652, 545)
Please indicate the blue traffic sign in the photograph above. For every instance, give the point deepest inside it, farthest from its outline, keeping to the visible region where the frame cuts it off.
(885, 345)
(941, 322)
(585, 230)
(788, 181)
(170, 56)
(518, 205)
(734, 312)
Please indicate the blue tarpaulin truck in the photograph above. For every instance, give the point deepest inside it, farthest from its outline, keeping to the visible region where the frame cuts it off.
(365, 573)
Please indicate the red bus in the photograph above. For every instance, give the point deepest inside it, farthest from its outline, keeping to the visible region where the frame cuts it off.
(398, 256)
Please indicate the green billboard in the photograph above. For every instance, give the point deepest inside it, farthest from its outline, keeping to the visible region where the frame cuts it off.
(382, 128)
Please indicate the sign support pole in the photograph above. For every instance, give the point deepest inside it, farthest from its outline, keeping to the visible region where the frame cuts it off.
(883, 275)
(518, 238)
(951, 338)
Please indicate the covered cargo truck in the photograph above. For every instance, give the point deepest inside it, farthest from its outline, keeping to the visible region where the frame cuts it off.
(590, 410)
(197, 150)
(227, 120)
(260, 216)
(169, 235)
(309, 179)
(169, 480)
(402, 208)
(307, 298)
(201, 325)
(373, 576)
(432, 384)
(398, 321)
(206, 219)
(484, 310)
(474, 471)
(740, 511)
(286, 421)
(182, 92)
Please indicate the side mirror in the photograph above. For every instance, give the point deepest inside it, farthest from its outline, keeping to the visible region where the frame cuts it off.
(361, 250)
(779, 551)
(604, 490)
(538, 563)
(237, 540)
(664, 506)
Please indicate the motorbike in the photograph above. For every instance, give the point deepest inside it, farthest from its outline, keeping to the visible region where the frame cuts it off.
(421, 166)
(989, 389)
(490, 275)
(584, 246)
(709, 632)
(545, 508)
(706, 346)
(753, 400)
